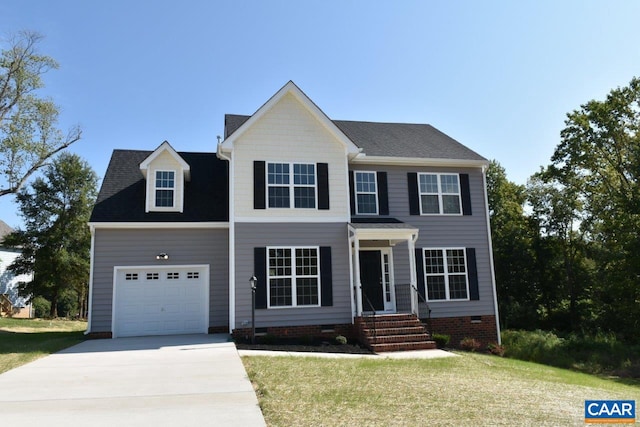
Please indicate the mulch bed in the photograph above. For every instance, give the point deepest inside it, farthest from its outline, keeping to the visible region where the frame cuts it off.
(309, 347)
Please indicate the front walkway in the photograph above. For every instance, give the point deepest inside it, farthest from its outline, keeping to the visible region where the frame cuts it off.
(147, 381)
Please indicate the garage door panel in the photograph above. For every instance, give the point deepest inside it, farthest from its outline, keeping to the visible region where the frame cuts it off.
(161, 301)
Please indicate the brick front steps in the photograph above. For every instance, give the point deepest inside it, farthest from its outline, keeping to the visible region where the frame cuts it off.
(393, 332)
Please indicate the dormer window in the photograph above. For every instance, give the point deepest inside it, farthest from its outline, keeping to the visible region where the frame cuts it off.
(165, 189)
(166, 174)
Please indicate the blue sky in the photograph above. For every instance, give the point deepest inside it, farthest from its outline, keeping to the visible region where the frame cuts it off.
(499, 76)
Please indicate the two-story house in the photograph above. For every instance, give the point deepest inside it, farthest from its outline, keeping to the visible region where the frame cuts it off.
(337, 220)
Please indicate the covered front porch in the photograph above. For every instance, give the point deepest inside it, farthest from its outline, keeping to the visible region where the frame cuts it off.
(380, 285)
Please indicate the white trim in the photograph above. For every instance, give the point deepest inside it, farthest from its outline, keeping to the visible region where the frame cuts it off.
(489, 240)
(355, 191)
(415, 161)
(290, 219)
(294, 276)
(154, 188)
(165, 146)
(232, 248)
(440, 194)
(292, 185)
(206, 280)
(291, 88)
(445, 273)
(385, 250)
(91, 266)
(158, 225)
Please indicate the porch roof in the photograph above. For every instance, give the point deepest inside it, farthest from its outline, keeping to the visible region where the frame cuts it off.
(394, 232)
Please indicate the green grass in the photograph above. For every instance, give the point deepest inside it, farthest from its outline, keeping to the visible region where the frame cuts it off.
(25, 340)
(473, 389)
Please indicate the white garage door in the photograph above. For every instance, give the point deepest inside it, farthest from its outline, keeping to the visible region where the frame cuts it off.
(160, 301)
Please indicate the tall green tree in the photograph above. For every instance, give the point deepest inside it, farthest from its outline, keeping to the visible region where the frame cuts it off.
(29, 135)
(561, 246)
(55, 241)
(511, 233)
(599, 158)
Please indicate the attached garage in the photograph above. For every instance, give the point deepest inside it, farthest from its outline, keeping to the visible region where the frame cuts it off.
(167, 300)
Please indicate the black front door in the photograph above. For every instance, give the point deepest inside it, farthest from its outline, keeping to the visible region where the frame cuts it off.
(371, 280)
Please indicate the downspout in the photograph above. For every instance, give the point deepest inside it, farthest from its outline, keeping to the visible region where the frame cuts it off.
(493, 273)
(232, 239)
(91, 266)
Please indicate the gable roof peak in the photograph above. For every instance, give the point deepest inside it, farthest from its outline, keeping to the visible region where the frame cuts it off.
(291, 88)
(166, 147)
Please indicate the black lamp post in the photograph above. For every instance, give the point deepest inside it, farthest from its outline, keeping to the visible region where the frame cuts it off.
(253, 281)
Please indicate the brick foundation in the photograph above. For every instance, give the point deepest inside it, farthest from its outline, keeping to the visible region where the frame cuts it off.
(482, 328)
(316, 331)
(218, 330)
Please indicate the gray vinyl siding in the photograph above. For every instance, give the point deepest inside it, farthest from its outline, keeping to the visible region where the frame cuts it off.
(252, 235)
(442, 231)
(140, 247)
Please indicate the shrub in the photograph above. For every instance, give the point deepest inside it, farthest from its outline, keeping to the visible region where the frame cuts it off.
(470, 344)
(267, 339)
(307, 340)
(496, 349)
(341, 340)
(441, 340)
(41, 307)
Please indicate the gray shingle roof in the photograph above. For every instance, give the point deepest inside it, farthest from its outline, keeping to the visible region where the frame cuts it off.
(122, 195)
(390, 139)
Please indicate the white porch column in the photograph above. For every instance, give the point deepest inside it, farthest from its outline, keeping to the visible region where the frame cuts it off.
(412, 275)
(356, 263)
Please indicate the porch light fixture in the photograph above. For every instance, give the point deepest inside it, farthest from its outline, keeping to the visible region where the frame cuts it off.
(252, 282)
(162, 256)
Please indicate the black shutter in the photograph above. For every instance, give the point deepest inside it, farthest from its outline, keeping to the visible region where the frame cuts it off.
(259, 186)
(260, 270)
(352, 193)
(422, 288)
(465, 193)
(472, 274)
(414, 201)
(383, 194)
(326, 276)
(323, 185)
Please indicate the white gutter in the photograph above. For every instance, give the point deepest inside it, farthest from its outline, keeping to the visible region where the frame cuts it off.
(493, 273)
(232, 240)
(91, 258)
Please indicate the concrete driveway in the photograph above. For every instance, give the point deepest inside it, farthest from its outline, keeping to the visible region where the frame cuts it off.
(146, 381)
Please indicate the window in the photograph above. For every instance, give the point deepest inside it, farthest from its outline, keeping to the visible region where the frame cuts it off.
(366, 193)
(165, 188)
(153, 276)
(446, 274)
(291, 185)
(173, 276)
(193, 275)
(293, 277)
(131, 276)
(439, 194)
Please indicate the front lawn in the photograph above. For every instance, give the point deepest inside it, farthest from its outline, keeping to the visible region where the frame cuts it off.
(24, 340)
(472, 389)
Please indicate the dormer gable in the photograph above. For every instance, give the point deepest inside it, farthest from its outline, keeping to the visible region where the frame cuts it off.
(165, 173)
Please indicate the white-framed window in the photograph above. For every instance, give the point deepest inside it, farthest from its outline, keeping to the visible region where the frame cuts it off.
(439, 194)
(173, 275)
(293, 277)
(165, 189)
(445, 271)
(131, 276)
(366, 189)
(291, 184)
(153, 276)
